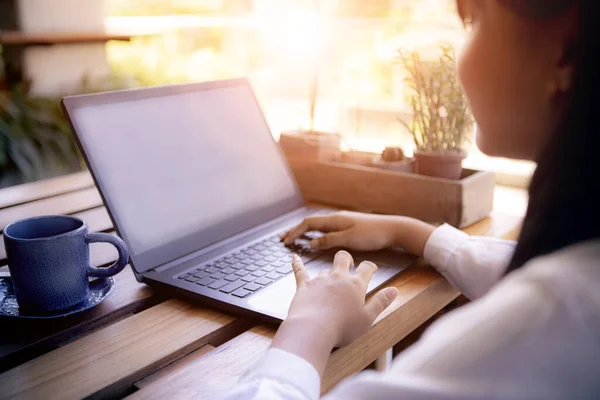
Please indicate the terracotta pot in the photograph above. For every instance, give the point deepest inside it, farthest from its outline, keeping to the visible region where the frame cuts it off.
(446, 164)
(406, 165)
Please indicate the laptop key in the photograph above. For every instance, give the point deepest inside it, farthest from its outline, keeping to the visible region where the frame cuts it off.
(274, 275)
(259, 273)
(191, 279)
(237, 266)
(248, 278)
(201, 274)
(217, 275)
(230, 287)
(205, 281)
(228, 270)
(252, 268)
(231, 277)
(252, 287)
(263, 281)
(241, 293)
(257, 257)
(268, 268)
(242, 272)
(211, 270)
(183, 276)
(285, 269)
(218, 284)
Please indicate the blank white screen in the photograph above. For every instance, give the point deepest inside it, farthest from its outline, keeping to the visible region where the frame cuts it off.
(175, 165)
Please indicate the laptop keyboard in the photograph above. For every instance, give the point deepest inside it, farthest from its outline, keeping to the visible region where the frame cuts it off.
(248, 270)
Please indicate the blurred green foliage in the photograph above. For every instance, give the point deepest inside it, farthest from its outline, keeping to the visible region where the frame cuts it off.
(35, 138)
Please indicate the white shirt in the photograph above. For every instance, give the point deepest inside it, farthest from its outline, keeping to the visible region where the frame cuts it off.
(533, 335)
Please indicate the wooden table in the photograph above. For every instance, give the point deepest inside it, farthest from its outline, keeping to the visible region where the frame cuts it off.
(143, 344)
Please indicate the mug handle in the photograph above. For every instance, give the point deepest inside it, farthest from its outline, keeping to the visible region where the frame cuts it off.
(117, 265)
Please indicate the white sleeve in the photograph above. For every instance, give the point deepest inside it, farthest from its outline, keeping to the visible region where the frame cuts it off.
(279, 375)
(472, 264)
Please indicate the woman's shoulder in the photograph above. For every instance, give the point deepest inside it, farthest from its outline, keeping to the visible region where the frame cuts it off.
(576, 267)
(572, 275)
(580, 258)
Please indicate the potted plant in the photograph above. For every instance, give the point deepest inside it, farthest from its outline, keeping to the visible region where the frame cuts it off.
(393, 158)
(442, 122)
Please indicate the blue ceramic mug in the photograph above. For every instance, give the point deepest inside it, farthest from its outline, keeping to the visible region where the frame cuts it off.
(49, 261)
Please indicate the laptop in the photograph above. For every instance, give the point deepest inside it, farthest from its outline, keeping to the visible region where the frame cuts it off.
(199, 190)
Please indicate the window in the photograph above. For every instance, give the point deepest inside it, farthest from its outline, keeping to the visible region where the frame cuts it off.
(346, 49)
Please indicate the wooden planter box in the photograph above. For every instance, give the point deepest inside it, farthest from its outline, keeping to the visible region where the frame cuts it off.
(459, 203)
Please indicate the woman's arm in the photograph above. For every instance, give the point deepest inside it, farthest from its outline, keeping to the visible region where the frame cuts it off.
(472, 264)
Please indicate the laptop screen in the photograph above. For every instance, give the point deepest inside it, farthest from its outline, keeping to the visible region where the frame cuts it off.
(183, 167)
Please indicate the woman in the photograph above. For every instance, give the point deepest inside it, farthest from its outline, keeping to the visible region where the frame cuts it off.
(531, 71)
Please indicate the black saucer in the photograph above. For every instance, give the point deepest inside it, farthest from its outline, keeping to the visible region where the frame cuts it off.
(99, 290)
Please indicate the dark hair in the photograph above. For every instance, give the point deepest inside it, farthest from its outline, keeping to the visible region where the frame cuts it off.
(564, 207)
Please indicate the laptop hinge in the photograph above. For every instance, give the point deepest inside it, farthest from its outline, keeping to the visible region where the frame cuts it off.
(240, 236)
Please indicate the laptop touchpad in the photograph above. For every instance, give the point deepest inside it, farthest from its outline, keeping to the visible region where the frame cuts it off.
(276, 299)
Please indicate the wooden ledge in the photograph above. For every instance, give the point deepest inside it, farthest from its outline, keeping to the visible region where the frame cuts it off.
(46, 39)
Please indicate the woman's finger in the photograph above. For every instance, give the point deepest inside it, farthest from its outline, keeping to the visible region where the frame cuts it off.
(330, 240)
(300, 273)
(365, 271)
(380, 301)
(323, 223)
(343, 261)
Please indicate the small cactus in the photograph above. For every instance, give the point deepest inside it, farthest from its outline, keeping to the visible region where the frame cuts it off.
(393, 154)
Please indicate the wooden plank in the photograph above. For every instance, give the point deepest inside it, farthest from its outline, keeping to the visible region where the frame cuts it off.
(22, 340)
(208, 376)
(423, 293)
(109, 360)
(63, 204)
(28, 39)
(165, 373)
(46, 188)
(96, 218)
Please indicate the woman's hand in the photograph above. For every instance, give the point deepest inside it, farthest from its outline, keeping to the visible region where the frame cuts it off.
(329, 310)
(355, 231)
(364, 232)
